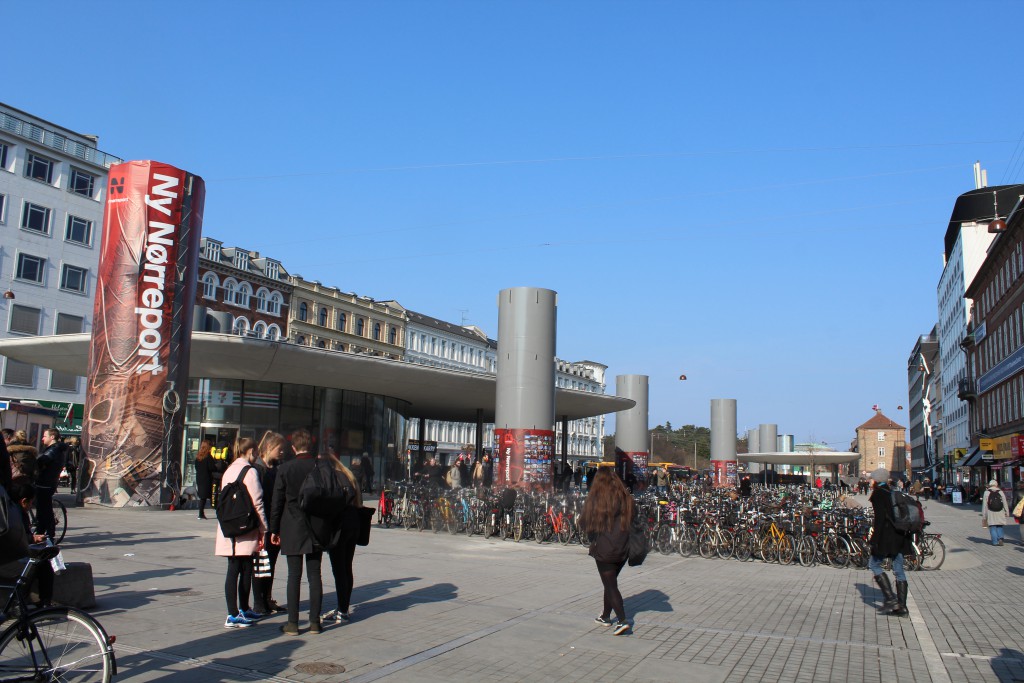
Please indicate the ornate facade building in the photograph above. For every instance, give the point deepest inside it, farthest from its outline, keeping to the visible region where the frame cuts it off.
(254, 289)
(328, 318)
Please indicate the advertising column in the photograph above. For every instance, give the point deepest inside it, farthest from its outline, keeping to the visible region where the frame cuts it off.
(723, 441)
(525, 401)
(632, 436)
(141, 333)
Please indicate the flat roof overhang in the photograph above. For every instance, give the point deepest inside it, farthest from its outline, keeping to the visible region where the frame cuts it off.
(432, 393)
(827, 458)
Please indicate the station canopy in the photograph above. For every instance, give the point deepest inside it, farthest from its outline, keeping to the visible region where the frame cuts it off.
(432, 393)
(801, 458)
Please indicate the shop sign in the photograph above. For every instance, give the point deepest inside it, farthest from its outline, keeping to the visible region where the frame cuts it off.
(1017, 445)
(1002, 448)
(986, 444)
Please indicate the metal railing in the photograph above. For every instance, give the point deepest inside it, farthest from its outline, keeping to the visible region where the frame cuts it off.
(55, 140)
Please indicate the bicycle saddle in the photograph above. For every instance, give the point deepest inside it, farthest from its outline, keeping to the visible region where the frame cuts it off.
(41, 551)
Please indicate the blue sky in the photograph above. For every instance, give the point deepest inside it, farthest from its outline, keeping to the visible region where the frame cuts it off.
(753, 194)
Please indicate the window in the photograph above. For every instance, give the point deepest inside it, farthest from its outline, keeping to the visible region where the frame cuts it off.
(25, 319)
(73, 278)
(342, 319)
(392, 336)
(212, 250)
(321, 344)
(881, 451)
(3, 208)
(30, 268)
(38, 168)
(229, 291)
(376, 331)
(881, 436)
(69, 324)
(241, 326)
(3, 155)
(323, 317)
(210, 286)
(78, 230)
(303, 312)
(273, 269)
(300, 340)
(35, 218)
(275, 303)
(241, 259)
(360, 325)
(273, 333)
(260, 328)
(19, 374)
(82, 183)
(261, 300)
(242, 295)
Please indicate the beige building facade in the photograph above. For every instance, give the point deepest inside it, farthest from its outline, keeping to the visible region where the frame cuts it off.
(325, 317)
(882, 443)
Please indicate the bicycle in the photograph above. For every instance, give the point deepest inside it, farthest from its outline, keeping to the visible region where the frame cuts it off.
(60, 516)
(929, 551)
(52, 643)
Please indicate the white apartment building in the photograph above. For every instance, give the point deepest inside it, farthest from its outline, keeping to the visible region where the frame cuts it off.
(966, 244)
(431, 341)
(52, 190)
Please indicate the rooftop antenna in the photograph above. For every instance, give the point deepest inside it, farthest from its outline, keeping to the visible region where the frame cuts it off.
(465, 320)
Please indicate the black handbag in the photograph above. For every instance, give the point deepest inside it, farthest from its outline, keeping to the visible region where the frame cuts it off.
(365, 521)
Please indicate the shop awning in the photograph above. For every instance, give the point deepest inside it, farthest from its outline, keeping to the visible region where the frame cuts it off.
(972, 458)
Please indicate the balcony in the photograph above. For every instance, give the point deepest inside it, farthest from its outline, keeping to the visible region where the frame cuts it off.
(966, 390)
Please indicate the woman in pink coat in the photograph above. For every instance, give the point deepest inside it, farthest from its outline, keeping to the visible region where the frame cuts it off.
(241, 549)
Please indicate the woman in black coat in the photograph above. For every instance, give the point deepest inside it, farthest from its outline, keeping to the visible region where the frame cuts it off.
(607, 517)
(299, 536)
(888, 542)
(204, 477)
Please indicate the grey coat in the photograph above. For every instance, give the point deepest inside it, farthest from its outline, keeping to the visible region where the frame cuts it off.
(993, 518)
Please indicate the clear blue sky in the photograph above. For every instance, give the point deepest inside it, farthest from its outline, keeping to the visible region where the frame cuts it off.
(753, 194)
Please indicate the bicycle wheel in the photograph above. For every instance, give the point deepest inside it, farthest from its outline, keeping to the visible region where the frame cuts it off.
(564, 531)
(56, 644)
(724, 546)
(744, 546)
(663, 540)
(769, 549)
(706, 544)
(787, 550)
(452, 522)
(519, 528)
(688, 542)
(490, 526)
(933, 553)
(408, 517)
(60, 516)
(839, 552)
(806, 551)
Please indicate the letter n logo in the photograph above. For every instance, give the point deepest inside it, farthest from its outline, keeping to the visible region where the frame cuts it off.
(116, 186)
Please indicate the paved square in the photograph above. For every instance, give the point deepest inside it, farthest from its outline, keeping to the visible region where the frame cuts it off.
(435, 607)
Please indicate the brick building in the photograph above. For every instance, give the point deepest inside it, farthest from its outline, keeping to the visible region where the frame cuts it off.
(882, 443)
(252, 288)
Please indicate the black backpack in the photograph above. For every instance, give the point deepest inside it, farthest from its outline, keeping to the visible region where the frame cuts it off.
(907, 513)
(235, 511)
(995, 501)
(323, 492)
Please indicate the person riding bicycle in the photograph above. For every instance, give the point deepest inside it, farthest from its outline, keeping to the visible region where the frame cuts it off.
(22, 494)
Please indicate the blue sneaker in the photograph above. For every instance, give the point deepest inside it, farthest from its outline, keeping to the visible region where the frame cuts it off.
(250, 615)
(237, 622)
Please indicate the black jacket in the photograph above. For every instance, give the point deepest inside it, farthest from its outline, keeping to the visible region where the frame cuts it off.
(300, 534)
(49, 465)
(886, 541)
(204, 477)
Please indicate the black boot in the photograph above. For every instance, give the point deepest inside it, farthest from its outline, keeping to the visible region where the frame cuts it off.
(901, 596)
(891, 601)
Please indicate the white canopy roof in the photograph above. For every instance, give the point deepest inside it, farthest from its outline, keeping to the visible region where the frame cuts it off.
(433, 393)
(820, 458)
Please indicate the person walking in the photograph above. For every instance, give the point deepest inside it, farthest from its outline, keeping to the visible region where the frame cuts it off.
(49, 465)
(6, 473)
(888, 542)
(240, 550)
(297, 534)
(72, 458)
(454, 477)
(478, 474)
(607, 517)
(994, 512)
(204, 466)
(342, 553)
(271, 452)
(368, 473)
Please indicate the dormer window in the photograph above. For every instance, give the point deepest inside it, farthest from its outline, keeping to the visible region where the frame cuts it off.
(241, 259)
(212, 250)
(273, 270)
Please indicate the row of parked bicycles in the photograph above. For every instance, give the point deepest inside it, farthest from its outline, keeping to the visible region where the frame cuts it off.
(785, 525)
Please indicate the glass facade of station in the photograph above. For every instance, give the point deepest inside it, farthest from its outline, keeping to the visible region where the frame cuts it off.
(349, 423)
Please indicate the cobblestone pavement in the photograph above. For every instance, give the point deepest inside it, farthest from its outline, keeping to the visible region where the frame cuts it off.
(450, 608)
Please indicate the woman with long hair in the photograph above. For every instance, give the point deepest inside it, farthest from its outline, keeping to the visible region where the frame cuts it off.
(607, 517)
(204, 477)
(343, 553)
(271, 452)
(241, 549)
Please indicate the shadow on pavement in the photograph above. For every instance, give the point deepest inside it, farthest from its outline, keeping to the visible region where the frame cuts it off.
(650, 600)
(137, 577)
(439, 592)
(869, 592)
(378, 589)
(275, 657)
(108, 538)
(1008, 665)
(1015, 570)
